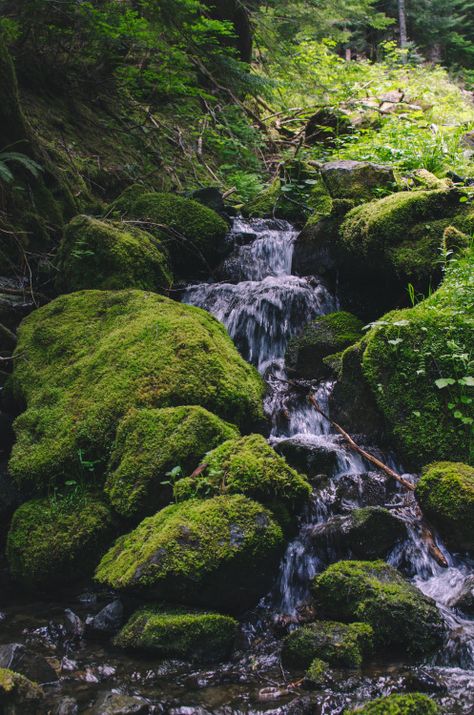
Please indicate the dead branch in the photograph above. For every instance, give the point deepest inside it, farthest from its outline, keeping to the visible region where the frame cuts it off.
(8, 334)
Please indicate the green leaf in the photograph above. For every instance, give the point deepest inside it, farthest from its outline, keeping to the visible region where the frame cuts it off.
(444, 382)
(468, 381)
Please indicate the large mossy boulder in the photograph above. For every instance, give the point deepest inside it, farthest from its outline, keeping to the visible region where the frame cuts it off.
(446, 495)
(400, 235)
(249, 466)
(194, 635)
(375, 593)
(339, 644)
(407, 704)
(322, 337)
(193, 234)
(108, 255)
(357, 180)
(151, 443)
(18, 694)
(58, 540)
(86, 358)
(412, 360)
(217, 553)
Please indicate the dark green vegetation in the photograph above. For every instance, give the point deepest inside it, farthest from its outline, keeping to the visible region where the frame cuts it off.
(375, 593)
(87, 358)
(17, 693)
(340, 644)
(413, 704)
(179, 634)
(446, 495)
(219, 553)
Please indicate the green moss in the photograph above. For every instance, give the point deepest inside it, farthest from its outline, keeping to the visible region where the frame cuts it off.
(17, 693)
(357, 180)
(407, 351)
(375, 593)
(316, 675)
(412, 704)
(322, 337)
(179, 634)
(446, 495)
(340, 644)
(248, 466)
(218, 553)
(110, 256)
(86, 358)
(400, 234)
(57, 540)
(152, 442)
(194, 234)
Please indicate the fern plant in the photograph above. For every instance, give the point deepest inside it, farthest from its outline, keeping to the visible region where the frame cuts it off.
(14, 157)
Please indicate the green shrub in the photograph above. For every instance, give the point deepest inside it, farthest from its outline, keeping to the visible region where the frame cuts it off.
(412, 704)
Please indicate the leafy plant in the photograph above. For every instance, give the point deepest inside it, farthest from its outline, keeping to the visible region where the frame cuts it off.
(16, 158)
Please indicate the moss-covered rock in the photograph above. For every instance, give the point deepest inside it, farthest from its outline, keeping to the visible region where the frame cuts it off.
(375, 593)
(179, 634)
(410, 359)
(18, 694)
(86, 358)
(339, 644)
(357, 180)
(411, 704)
(373, 532)
(324, 336)
(401, 234)
(248, 466)
(219, 553)
(193, 234)
(110, 256)
(317, 674)
(58, 540)
(152, 442)
(446, 495)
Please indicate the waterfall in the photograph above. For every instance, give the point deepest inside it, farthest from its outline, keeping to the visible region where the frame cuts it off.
(262, 307)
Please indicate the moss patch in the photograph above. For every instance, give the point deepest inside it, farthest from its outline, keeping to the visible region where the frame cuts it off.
(179, 634)
(375, 593)
(248, 466)
(412, 704)
(446, 495)
(57, 540)
(110, 256)
(340, 644)
(152, 442)
(316, 675)
(16, 691)
(86, 358)
(322, 337)
(218, 553)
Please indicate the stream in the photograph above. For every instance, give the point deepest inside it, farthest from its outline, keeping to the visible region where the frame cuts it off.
(262, 305)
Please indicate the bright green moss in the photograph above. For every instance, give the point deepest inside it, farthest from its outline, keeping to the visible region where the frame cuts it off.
(412, 704)
(110, 256)
(58, 540)
(149, 444)
(316, 675)
(339, 644)
(17, 693)
(179, 634)
(446, 495)
(322, 337)
(248, 466)
(86, 358)
(218, 553)
(193, 234)
(375, 593)
(407, 351)
(400, 234)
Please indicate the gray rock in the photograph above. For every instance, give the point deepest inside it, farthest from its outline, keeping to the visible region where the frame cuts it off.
(109, 619)
(67, 706)
(115, 704)
(464, 600)
(347, 179)
(15, 656)
(308, 457)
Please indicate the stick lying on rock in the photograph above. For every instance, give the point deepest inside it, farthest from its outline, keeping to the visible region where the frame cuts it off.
(426, 532)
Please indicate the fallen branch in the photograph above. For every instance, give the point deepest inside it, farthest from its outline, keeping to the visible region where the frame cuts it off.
(8, 334)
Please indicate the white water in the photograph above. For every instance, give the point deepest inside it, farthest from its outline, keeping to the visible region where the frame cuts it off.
(261, 312)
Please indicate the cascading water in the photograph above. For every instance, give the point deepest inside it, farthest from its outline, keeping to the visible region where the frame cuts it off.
(262, 306)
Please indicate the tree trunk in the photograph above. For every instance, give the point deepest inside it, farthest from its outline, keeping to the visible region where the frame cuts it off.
(402, 24)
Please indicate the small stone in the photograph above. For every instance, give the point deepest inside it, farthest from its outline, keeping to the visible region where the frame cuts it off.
(109, 619)
(15, 656)
(464, 599)
(67, 706)
(115, 704)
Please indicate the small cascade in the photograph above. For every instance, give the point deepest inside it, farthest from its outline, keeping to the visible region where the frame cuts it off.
(262, 307)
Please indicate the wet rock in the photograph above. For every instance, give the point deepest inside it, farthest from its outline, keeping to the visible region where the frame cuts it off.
(18, 695)
(420, 681)
(109, 619)
(367, 488)
(68, 706)
(315, 248)
(373, 532)
(347, 179)
(464, 600)
(74, 625)
(339, 644)
(17, 657)
(308, 457)
(115, 704)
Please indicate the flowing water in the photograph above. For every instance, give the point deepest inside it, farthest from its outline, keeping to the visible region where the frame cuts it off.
(262, 305)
